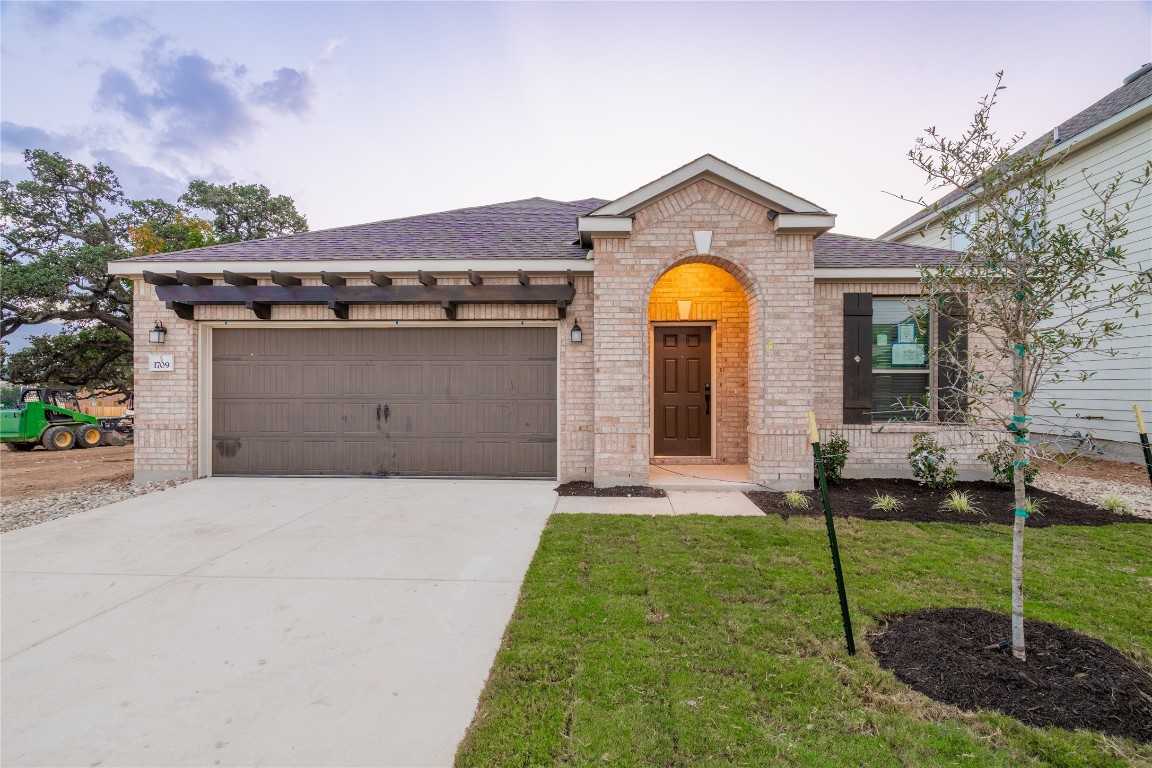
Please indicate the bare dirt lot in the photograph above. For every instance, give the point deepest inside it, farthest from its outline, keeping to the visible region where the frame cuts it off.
(41, 472)
(1137, 474)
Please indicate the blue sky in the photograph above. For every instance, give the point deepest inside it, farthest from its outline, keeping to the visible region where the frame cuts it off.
(364, 111)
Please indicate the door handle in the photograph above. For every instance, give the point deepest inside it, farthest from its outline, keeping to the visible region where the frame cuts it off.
(707, 399)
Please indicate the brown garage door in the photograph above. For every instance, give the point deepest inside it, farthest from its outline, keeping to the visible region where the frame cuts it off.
(410, 402)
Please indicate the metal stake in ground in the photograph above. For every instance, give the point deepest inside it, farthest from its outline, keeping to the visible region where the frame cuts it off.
(819, 455)
(1143, 439)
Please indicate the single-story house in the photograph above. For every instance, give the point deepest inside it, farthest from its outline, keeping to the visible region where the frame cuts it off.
(695, 320)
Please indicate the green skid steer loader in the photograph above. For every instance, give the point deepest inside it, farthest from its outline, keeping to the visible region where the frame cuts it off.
(42, 417)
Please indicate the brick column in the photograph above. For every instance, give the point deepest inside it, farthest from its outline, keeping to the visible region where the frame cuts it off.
(166, 403)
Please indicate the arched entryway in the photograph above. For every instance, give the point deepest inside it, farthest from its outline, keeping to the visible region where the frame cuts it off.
(700, 322)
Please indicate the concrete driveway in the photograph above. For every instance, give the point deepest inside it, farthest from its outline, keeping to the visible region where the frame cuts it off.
(262, 622)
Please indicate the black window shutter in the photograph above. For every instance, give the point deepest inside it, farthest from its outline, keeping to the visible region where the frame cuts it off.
(950, 370)
(857, 358)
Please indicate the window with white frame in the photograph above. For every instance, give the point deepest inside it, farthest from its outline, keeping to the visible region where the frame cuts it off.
(900, 361)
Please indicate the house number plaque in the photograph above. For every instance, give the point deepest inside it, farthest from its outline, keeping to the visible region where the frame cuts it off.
(161, 362)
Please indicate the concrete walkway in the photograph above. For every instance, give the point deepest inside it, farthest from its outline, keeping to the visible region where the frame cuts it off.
(273, 622)
(718, 503)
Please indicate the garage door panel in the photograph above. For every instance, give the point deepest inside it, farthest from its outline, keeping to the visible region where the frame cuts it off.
(322, 456)
(318, 379)
(362, 457)
(477, 402)
(359, 378)
(534, 379)
(273, 379)
(534, 418)
(231, 378)
(320, 418)
(400, 378)
(442, 418)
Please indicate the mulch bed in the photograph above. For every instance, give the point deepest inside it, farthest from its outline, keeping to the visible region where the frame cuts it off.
(585, 488)
(853, 498)
(1069, 680)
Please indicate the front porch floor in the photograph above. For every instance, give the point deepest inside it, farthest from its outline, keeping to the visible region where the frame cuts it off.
(701, 477)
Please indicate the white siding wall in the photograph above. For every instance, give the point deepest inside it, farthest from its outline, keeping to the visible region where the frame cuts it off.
(1120, 381)
(1101, 405)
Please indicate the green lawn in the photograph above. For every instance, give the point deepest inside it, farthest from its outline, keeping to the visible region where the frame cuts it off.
(691, 641)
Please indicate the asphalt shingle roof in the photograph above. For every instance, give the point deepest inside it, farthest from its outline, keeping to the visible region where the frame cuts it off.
(535, 228)
(1111, 105)
(523, 229)
(832, 251)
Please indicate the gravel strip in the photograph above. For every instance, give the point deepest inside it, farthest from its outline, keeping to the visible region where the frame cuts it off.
(21, 514)
(1092, 491)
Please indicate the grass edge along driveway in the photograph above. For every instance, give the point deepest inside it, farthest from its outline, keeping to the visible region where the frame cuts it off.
(687, 641)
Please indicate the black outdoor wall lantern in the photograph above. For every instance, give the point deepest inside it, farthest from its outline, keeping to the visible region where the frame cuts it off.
(577, 332)
(157, 334)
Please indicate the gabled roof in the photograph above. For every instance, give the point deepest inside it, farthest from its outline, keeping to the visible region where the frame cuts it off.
(719, 172)
(535, 228)
(1136, 88)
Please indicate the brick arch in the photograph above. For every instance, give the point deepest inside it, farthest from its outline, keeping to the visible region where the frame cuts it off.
(739, 360)
(746, 279)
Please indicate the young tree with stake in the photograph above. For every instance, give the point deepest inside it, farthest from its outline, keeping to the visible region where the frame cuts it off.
(1034, 297)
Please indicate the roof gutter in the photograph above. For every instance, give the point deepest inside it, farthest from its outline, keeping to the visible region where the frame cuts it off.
(349, 267)
(867, 273)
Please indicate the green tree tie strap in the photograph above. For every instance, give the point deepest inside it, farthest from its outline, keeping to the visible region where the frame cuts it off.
(1021, 419)
(1021, 350)
(1017, 395)
(1023, 441)
(1020, 463)
(1021, 513)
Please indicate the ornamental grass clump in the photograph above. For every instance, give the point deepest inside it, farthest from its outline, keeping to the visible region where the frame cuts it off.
(930, 462)
(796, 500)
(961, 503)
(1117, 504)
(1033, 507)
(885, 503)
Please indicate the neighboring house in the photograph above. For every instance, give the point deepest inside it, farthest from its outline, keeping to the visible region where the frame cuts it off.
(1112, 136)
(695, 320)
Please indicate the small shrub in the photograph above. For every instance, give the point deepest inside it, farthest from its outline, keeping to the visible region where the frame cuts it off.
(1000, 459)
(835, 453)
(960, 502)
(930, 462)
(1117, 504)
(1033, 507)
(886, 503)
(795, 500)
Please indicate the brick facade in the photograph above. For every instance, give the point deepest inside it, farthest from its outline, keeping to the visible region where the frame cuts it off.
(878, 450)
(776, 274)
(778, 349)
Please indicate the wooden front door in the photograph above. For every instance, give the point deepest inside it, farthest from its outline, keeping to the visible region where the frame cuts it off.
(682, 396)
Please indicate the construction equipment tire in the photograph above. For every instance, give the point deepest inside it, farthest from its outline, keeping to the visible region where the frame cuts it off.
(58, 439)
(87, 436)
